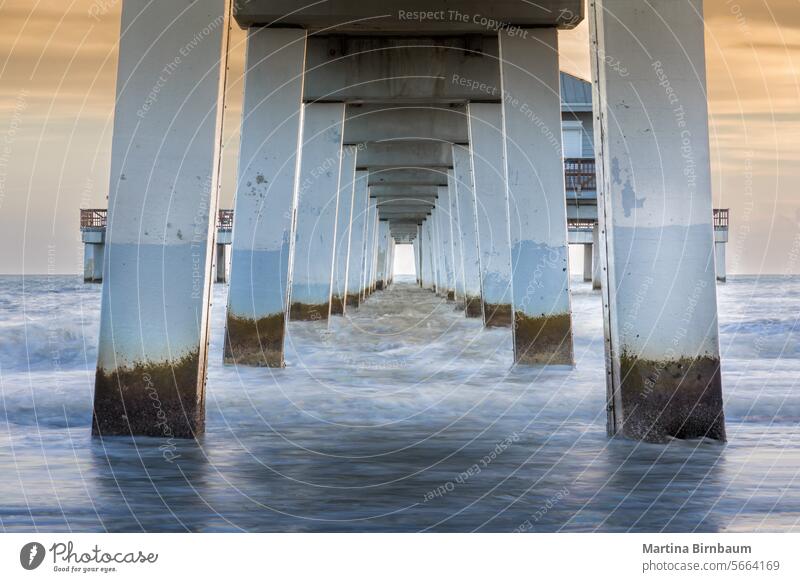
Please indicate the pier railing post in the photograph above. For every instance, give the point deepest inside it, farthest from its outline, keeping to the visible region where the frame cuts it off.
(654, 184)
(262, 228)
(151, 362)
(537, 206)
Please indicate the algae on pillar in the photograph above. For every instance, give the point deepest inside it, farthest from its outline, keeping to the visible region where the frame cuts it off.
(657, 240)
(151, 361)
(262, 228)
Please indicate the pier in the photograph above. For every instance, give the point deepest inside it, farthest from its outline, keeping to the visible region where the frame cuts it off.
(361, 133)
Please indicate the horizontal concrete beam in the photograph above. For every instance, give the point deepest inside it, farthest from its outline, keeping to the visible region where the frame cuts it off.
(375, 123)
(376, 69)
(410, 16)
(405, 191)
(392, 154)
(409, 177)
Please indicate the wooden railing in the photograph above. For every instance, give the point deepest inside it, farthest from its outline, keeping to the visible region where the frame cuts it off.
(93, 217)
(721, 218)
(579, 174)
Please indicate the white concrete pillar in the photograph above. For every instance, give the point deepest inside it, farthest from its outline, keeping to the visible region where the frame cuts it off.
(596, 267)
(455, 235)
(654, 181)
(446, 241)
(417, 257)
(369, 247)
(343, 230)
(151, 360)
(220, 264)
(462, 168)
(537, 206)
(588, 252)
(488, 171)
(317, 202)
(93, 254)
(721, 269)
(262, 222)
(381, 272)
(355, 268)
(427, 258)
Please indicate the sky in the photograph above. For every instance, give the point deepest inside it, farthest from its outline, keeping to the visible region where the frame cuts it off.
(57, 88)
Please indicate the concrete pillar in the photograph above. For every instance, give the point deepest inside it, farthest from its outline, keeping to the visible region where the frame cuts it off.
(462, 168)
(446, 241)
(151, 360)
(588, 252)
(419, 252)
(596, 268)
(659, 295)
(435, 250)
(355, 260)
(343, 230)
(220, 264)
(381, 273)
(721, 270)
(427, 259)
(262, 221)
(373, 273)
(93, 254)
(486, 139)
(369, 247)
(390, 262)
(537, 206)
(317, 201)
(455, 236)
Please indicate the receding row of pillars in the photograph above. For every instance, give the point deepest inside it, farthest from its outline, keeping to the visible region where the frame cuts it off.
(299, 178)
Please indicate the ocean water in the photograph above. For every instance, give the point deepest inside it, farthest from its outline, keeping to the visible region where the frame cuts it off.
(403, 417)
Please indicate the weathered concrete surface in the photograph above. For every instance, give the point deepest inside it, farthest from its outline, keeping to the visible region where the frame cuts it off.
(680, 398)
(355, 260)
(458, 252)
(221, 265)
(486, 139)
(344, 219)
(410, 16)
(405, 154)
(382, 122)
(262, 221)
(654, 183)
(462, 172)
(534, 172)
(151, 359)
(93, 258)
(317, 204)
(588, 253)
(719, 260)
(597, 269)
